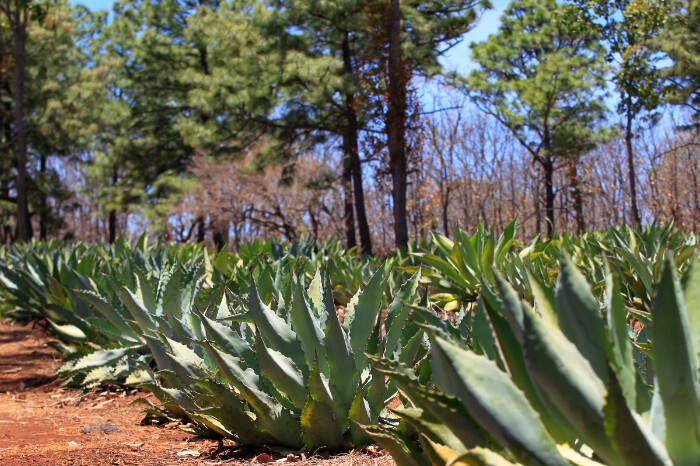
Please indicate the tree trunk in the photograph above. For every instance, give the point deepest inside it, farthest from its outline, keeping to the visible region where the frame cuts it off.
(112, 214)
(537, 198)
(352, 141)
(43, 211)
(362, 224)
(396, 126)
(548, 165)
(200, 229)
(577, 197)
(219, 233)
(19, 29)
(630, 165)
(112, 226)
(348, 216)
(445, 210)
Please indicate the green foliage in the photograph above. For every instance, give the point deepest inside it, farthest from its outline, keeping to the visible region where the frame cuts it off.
(534, 366)
(629, 28)
(295, 374)
(455, 271)
(541, 77)
(680, 41)
(562, 385)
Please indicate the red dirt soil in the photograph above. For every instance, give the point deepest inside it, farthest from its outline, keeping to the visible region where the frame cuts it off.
(41, 423)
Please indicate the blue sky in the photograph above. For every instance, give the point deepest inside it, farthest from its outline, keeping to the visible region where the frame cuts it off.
(456, 60)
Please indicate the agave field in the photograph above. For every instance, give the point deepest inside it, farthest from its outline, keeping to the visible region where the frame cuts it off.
(481, 349)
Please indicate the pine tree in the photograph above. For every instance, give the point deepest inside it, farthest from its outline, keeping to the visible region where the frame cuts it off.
(680, 40)
(629, 28)
(542, 78)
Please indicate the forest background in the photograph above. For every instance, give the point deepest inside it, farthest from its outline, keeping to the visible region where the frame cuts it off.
(225, 121)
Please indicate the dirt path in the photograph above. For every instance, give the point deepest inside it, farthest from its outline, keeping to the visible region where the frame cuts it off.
(43, 424)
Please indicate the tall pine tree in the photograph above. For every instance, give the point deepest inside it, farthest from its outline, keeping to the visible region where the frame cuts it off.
(543, 79)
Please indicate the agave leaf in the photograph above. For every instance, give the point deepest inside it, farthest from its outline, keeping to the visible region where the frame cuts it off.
(271, 416)
(229, 341)
(315, 292)
(359, 414)
(185, 353)
(97, 376)
(446, 268)
(159, 351)
(210, 423)
(479, 457)
(676, 368)
(657, 419)
(510, 339)
(404, 451)
(468, 254)
(429, 426)
(341, 363)
(223, 309)
(363, 316)
(107, 310)
(319, 388)
(307, 329)
(505, 242)
(162, 288)
(239, 424)
(544, 299)
(136, 378)
(106, 328)
(278, 334)
(144, 292)
(101, 358)
(619, 335)
(191, 285)
(173, 409)
(282, 371)
(68, 331)
(412, 350)
(494, 401)
(691, 295)
(575, 457)
(437, 453)
(487, 255)
(184, 371)
(631, 259)
(376, 391)
(568, 380)
(635, 442)
(445, 408)
(320, 427)
(443, 243)
(580, 319)
(483, 336)
(182, 399)
(398, 313)
(138, 312)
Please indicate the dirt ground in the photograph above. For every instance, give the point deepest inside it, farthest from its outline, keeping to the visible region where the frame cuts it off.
(44, 424)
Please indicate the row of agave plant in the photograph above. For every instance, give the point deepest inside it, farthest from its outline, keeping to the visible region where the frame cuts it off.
(538, 363)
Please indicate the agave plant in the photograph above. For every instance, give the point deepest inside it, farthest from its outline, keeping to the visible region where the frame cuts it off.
(457, 266)
(125, 313)
(563, 387)
(293, 376)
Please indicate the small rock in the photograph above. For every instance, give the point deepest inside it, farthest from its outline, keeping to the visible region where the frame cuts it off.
(188, 453)
(99, 427)
(264, 458)
(73, 444)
